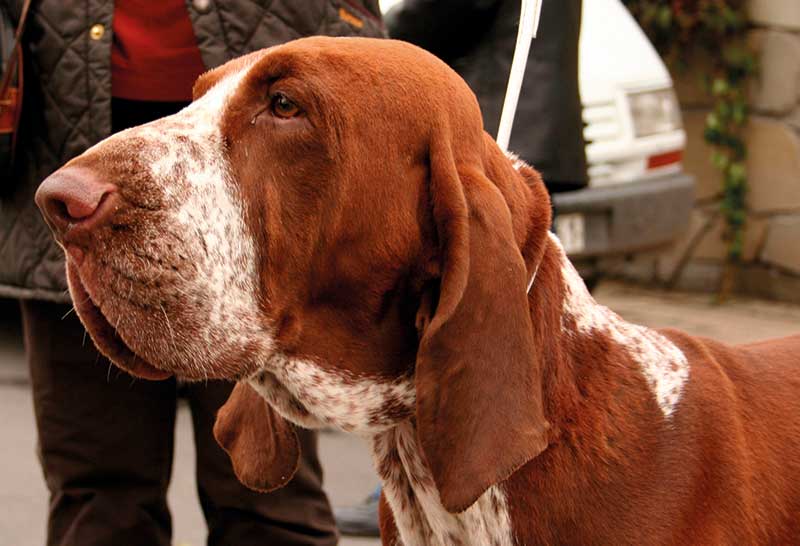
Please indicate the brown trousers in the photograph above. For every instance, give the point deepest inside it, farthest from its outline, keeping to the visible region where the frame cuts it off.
(106, 440)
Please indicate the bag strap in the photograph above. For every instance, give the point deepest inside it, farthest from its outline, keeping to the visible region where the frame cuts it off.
(14, 58)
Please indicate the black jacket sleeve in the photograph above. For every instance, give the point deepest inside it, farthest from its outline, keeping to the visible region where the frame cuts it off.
(446, 28)
(477, 38)
(12, 8)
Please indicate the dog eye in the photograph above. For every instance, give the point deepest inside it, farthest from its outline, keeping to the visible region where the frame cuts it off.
(283, 107)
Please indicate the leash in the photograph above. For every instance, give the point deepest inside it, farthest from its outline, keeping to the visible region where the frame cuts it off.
(530, 14)
(533, 278)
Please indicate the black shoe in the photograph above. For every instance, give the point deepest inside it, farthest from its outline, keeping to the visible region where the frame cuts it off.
(360, 520)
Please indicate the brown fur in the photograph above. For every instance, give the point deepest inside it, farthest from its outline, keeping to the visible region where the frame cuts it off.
(393, 239)
(263, 447)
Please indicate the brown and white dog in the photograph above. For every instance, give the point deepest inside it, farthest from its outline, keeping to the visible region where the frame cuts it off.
(329, 225)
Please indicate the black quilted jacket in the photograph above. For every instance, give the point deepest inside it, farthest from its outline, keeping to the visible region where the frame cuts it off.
(68, 100)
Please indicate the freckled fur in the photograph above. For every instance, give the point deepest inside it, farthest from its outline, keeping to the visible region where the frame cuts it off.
(410, 491)
(365, 266)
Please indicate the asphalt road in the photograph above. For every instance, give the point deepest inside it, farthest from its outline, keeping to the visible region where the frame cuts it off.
(346, 459)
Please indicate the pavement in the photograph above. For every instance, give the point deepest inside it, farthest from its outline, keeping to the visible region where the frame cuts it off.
(346, 460)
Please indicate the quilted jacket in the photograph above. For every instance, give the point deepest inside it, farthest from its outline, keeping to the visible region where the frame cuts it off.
(67, 105)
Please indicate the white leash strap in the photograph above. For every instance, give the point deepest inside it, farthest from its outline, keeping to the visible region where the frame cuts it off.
(530, 14)
(533, 278)
(528, 25)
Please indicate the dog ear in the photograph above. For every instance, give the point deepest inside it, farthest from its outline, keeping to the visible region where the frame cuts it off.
(479, 398)
(263, 447)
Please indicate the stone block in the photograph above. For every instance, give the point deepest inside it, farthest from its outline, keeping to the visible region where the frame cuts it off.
(773, 165)
(703, 241)
(639, 268)
(754, 239)
(767, 282)
(713, 247)
(697, 156)
(776, 87)
(699, 276)
(782, 245)
(776, 13)
(690, 82)
(669, 259)
(793, 119)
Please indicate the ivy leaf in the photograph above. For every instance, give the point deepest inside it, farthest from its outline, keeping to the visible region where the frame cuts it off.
(739, 113)
(737, 174)
(664, 17)
(719, 87)
(720, 160)
(678, 30)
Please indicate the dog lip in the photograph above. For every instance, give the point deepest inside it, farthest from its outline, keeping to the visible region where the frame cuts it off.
(76, 254)
(104, 335)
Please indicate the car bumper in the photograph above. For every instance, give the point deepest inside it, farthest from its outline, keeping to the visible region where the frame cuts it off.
(626, 218)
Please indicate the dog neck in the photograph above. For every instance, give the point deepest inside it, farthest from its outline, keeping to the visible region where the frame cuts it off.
(587, 348)
(587, 351)
(412, 495)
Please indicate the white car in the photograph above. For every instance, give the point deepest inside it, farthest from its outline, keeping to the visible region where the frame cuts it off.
(638, 195)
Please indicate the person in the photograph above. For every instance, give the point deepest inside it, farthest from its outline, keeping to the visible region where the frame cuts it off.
(106, 440)
(477, 39)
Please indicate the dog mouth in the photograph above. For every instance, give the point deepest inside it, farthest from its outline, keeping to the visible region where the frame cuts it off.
(105, 336)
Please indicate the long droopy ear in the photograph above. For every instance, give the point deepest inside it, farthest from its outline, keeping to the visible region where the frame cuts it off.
(479, 398)
(263, 447)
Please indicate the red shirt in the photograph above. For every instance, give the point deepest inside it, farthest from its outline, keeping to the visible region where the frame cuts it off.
(154, 54)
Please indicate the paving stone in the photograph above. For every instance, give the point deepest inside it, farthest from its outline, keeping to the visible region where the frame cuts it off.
(778, 13)
(782, 245)
(777, 87)
(773, 165)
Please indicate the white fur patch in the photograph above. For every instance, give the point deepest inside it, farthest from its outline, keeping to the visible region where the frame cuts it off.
(198, 224)
(311, 396)
(663, 365)
(516, 162)
(418, 512)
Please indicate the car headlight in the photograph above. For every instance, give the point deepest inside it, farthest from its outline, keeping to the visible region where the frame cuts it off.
(654, 112)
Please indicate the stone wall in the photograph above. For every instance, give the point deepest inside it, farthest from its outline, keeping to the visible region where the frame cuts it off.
(772, 247)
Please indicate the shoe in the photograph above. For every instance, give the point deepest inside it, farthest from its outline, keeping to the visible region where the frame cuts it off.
(360, 520)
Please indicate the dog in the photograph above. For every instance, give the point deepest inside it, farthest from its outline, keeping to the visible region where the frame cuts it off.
(329, 225)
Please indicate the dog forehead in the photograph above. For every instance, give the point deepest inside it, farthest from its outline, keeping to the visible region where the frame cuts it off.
(376, 62)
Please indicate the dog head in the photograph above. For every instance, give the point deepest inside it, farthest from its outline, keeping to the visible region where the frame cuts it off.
(328, 224)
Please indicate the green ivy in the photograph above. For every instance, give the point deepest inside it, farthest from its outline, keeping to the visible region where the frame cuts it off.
(682, 29)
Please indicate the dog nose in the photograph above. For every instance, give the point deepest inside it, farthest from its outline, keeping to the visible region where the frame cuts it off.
(73, 197)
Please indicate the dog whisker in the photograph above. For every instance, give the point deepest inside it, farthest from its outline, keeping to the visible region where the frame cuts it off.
(169, 327)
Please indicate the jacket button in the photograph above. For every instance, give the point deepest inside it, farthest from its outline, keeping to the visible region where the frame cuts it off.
(201, 5)
(97, 31)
